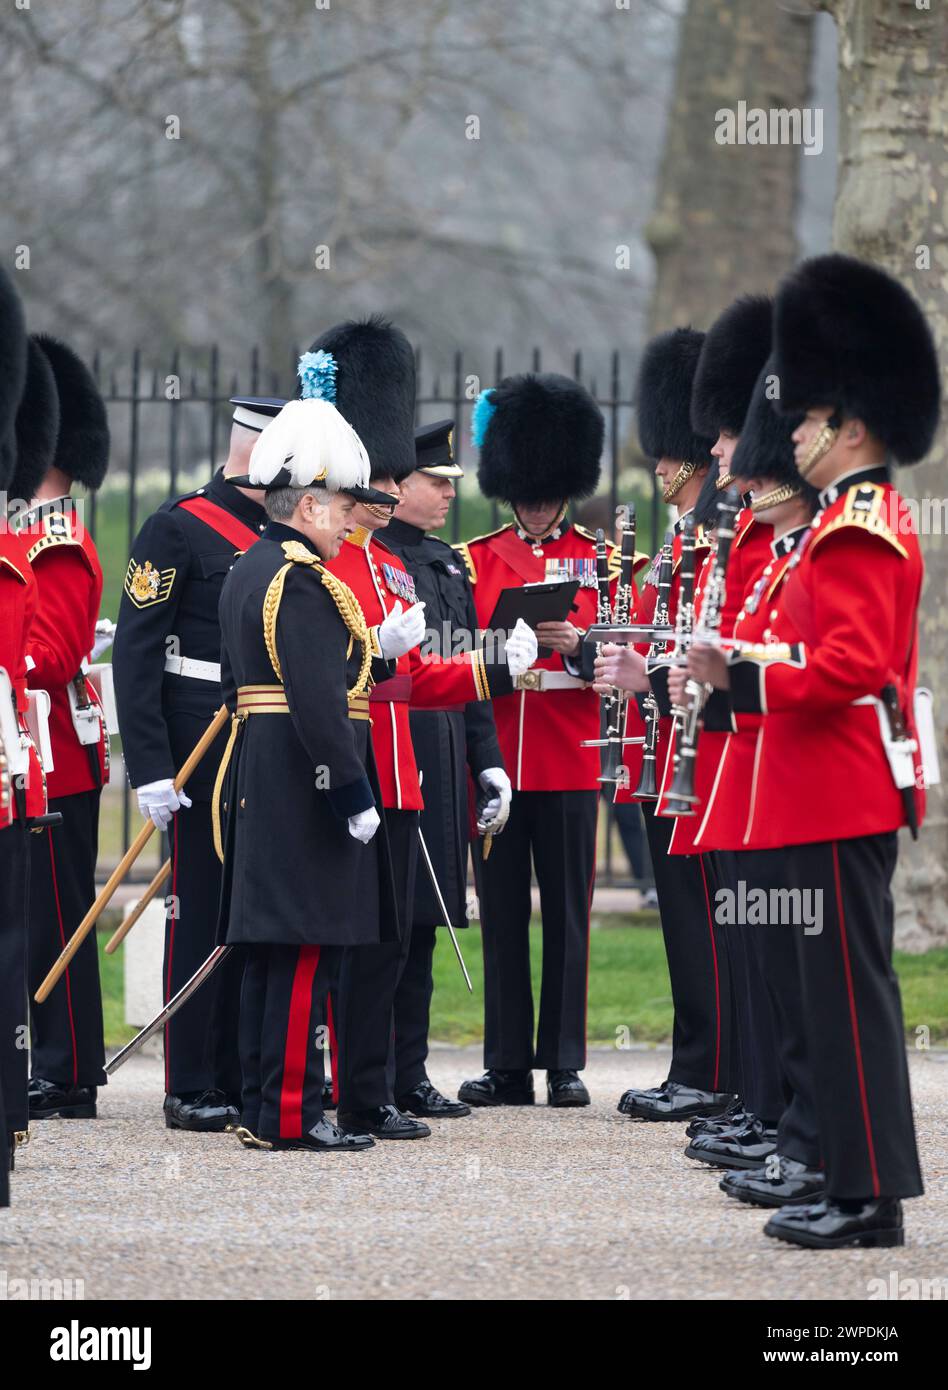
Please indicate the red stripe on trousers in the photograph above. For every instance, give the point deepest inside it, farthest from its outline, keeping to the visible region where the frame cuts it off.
(717, 979)
(854, 1021)
(62, 939)
(589, 903)
(297, 1041)
(333, 1051)
(174, 918)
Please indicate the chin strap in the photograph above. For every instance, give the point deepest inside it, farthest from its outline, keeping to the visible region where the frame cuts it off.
(823, 441)
(724, 482)
(685, 472)
(774, 497)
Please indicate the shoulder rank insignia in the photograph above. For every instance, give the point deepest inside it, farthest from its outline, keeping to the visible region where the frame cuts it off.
(865, 506)
(146, 585)
(463, 550)
(55, 531)
(400, 582)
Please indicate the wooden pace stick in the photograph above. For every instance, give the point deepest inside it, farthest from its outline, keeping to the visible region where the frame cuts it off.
(128, 859)
(120, 934)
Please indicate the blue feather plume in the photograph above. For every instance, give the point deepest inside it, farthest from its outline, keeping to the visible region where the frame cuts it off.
(317, 373)
(484, 408)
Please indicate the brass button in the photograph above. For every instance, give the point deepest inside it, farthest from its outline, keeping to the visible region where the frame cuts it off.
(243, 802)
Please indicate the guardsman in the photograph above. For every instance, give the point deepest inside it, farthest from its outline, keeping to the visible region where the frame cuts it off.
(456, 737)
(701, 1075)
(67, 1046)
(166, 661)
(20, 776)
(305, 871)
(541, 440)
(844, 763)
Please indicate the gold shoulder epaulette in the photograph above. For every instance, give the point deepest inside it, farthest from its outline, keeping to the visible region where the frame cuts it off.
(864, 506)
(5, 560)
(486, 536)
(462, 549)
(56, 531)
(642, 557)
(347, 606)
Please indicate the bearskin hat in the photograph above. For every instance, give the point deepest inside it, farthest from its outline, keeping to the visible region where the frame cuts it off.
(736, 346)
(37, 425)
(366, 368)
(765, 448)
(82, 449)
(12, 372)
(666, 378)
(848, 335)
(706, 507)
(540, 437)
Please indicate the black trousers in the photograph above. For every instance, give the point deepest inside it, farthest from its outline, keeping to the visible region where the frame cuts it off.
(773, 947)
(364, 1003)
(201, 1040)
(559, 830)
(66, 1030)
(412, 1012)
(703, 1048)
(14, 1005)
(282, 1037)
(853, 1012)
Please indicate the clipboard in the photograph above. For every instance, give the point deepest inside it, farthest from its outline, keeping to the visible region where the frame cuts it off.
(550, 601)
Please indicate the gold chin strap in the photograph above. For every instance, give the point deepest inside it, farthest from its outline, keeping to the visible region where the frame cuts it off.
(774, 497)
(823, 441)
(673, 488)
(557, 521)
(380, 509)
(724, 482)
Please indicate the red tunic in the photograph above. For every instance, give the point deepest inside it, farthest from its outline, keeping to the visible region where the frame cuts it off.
(541, 731)
(69, 587)
(18, 599)
(843, 625)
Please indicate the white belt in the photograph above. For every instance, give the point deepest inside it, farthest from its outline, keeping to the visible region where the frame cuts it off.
(196, 670)
(540, 679)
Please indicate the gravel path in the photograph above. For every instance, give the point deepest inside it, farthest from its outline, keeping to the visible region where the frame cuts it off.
(507, 1204)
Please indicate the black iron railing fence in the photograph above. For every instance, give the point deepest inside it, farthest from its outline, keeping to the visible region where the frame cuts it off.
(170, 426)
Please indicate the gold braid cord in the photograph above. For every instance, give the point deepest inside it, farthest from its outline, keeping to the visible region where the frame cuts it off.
(347, 606)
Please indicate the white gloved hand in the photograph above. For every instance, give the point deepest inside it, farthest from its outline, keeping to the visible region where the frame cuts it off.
(520, 649)
(160, 801)
(493, 815)
(364, 825)
(104, 637)
(402, 630)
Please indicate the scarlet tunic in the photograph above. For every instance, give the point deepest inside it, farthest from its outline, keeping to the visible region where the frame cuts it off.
(18, 600)
(69, 589)
(843, 626)
(541, 731)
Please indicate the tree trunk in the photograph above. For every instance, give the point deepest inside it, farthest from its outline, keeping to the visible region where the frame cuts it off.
(724, 219)
(891, 209)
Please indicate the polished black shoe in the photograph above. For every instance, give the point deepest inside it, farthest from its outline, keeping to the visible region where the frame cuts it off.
(499, 1088)
(734, 1117)
(328, 1102)
(564, 1087)
(426, 1099)
(749, 1147)
(834, 1225)
(206, 1112)
(324, 1137)
(384, 1121)
(51, 1099)
(673, 1101)
(785, 1183)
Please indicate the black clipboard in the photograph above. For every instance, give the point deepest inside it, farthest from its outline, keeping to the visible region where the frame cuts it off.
(550, 601)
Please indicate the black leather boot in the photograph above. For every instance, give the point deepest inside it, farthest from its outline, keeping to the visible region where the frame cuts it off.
(499, 1088)
(52, 1099)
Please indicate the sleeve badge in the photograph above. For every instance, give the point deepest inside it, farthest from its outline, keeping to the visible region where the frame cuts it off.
(146, 585)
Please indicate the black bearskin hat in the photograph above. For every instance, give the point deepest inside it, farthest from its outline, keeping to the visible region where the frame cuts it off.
(706, 507)
(765, 448)
(848, 335)
(540, 437)
(12, 372)
(666, 377)
(373, 387)
(37, 425)
(82, 449)
(736, 346)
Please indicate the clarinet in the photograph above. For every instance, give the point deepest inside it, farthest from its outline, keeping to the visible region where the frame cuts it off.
(647, 790)
(681, 798)
(684, 620)
(622, 614)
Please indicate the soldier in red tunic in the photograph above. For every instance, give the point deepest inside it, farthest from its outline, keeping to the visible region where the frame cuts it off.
(834, 678)
(68, 1050)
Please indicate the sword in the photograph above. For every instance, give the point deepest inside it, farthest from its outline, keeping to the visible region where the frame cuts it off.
(170, 1009)
(447, 918)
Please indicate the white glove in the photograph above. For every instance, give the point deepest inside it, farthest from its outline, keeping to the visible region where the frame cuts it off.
(494, 813)
(364, 825)
(520, 649)
(160, 801)
(104, 637)
(402, 629)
